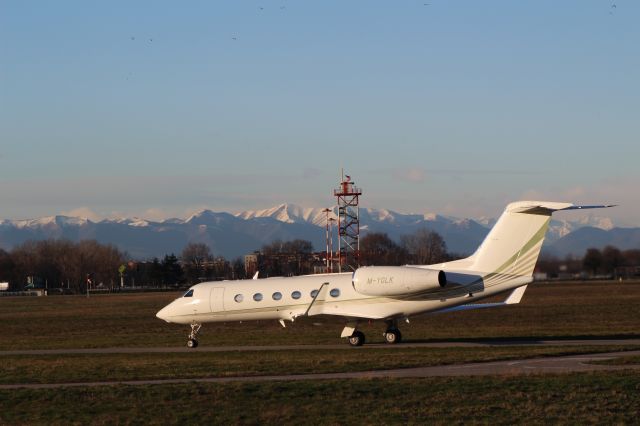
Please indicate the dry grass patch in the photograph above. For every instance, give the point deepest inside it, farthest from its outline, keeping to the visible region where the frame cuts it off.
(593, 398)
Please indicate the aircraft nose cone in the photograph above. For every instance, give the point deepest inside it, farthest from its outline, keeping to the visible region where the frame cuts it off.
(163, 314)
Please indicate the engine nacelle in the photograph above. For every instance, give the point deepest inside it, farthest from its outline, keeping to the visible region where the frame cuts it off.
(394, 281)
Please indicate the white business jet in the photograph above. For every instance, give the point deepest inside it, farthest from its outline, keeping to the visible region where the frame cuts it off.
(504, 262)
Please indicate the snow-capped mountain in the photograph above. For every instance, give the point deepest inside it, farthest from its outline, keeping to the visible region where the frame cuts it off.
(233, 235)
(561, 228)
(134, 221)
(291, 213)
(50, 221)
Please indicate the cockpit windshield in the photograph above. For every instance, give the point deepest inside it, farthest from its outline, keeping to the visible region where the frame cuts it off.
(189, 293)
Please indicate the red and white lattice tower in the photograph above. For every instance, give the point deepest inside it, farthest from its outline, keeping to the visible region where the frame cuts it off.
(348, 224)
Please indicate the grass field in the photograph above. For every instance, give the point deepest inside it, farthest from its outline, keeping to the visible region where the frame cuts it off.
(115, 367)
(558, 310)
(625, 360)
(593, 398)
(547, 310)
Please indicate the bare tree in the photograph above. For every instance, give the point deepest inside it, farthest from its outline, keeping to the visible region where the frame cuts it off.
(631, 257)
(592, 260)
(7, 268)
(194, 257)
(196, 254)
(425, 247)
(299, 247)
(59, 263)
(378, 249)
(288, 247)
(611, 259)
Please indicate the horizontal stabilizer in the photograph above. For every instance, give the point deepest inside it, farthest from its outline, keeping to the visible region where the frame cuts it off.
(548, 207)
(514, 297)
(603, 206)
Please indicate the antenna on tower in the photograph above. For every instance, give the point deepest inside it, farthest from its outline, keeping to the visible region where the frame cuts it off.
(328, 237)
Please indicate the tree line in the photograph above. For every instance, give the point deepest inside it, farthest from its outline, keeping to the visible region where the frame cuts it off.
(65, 265)
(608, 262)
(423, 247)
(61, 264)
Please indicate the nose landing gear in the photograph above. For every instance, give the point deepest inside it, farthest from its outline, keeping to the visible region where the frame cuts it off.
(193, 342)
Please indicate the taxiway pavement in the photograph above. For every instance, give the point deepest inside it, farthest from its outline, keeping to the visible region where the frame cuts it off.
(344, 346)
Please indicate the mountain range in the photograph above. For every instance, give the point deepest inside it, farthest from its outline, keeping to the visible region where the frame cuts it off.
(233, 235)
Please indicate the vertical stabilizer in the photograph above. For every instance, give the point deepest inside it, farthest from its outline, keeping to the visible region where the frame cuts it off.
(513, 245)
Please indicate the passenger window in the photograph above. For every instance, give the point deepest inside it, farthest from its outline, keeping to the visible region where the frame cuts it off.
(313, 293)
(257, 297)
(277, 295)
(189, 293)
(296, 294)
(238, 298)
(334, 292)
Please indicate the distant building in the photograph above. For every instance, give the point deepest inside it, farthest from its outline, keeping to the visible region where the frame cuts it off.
(251, 263)
(540, 276)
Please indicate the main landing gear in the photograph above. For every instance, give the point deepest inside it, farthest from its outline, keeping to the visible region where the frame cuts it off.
(356, 337)
(392, 335)
(193, 342)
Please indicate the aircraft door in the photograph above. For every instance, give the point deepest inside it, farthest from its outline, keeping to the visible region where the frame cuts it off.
(217, 299)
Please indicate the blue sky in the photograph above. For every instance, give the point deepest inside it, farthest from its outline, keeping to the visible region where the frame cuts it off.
(158, 109)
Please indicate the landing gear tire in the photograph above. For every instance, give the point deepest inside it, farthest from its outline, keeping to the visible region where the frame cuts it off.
(393, 336)
(356, 339)
(192, 343)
